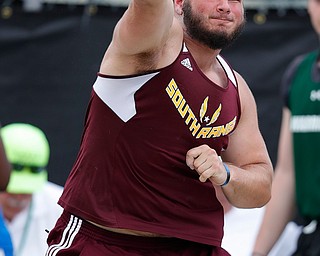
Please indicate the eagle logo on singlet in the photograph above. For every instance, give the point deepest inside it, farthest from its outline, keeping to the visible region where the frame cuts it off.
(201, 128)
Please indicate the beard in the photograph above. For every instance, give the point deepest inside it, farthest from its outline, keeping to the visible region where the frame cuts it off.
(213, 39)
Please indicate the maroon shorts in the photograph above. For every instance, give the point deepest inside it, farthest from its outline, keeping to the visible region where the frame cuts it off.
(72, 236)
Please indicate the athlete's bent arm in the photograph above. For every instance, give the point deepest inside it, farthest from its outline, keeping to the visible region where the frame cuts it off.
(246, 157)
(251, 167)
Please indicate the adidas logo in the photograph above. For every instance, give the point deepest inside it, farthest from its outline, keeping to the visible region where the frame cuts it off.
(186, 62)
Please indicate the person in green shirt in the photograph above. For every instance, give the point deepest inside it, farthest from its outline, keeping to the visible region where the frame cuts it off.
(297, 173)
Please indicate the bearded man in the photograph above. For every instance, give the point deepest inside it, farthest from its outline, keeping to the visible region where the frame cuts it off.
(169, 122)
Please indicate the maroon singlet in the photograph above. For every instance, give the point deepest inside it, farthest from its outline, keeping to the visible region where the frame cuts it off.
(131, 169)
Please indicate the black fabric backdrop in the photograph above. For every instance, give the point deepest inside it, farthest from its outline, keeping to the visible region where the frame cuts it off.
(49, 60)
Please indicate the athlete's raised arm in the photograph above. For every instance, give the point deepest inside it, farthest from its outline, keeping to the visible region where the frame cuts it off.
(140, 37)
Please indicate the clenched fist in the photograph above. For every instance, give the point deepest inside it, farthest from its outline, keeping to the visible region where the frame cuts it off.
(207, 163)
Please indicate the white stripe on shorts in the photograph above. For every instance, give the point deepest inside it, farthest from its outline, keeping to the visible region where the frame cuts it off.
(68, 236)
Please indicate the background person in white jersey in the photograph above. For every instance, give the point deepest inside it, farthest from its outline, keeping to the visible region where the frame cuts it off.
(29, 203)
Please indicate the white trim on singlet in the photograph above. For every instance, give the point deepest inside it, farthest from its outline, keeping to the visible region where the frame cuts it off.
(224, 64)
(228, 70)
(67, 238)
(118, 94)
(185, 48)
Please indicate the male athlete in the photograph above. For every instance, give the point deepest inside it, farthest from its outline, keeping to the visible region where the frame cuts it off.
(169, 121)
